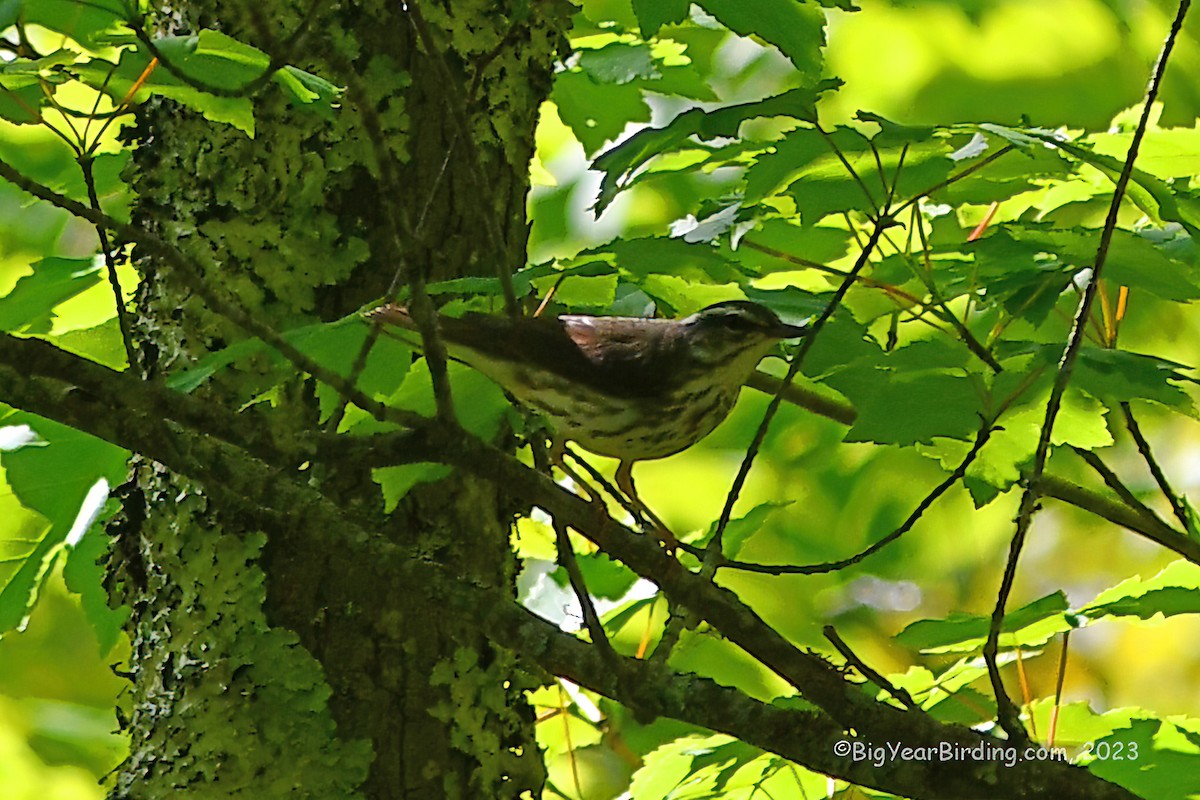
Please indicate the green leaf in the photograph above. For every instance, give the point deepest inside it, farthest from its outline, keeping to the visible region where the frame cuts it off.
(214, 59)
(774, 244)
(742, 529)
(620, 162)
(479, 403)
(783, 163)
(22, 105)
(728, 665)
(653, 14)
(118, 80)
(1174, 590)
(604, 577)
(52, 474)
(84, 575)
(698, 767)
(811, 167)
(635, 624)
(399, 480)
(1031, 625)
(1112, 376)
(308, 90)
(915, 407)
(796, 28)
(26, 82)
(333, 345)
(1156, 197)
(29, 307)
(618, 63)
(1020, 170)
(597, 112)
(1150, 758)
(90, 23)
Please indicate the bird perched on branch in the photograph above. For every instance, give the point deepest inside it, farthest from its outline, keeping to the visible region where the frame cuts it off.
(629, 388)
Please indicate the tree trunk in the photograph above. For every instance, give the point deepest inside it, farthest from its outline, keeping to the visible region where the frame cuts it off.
(268, 662)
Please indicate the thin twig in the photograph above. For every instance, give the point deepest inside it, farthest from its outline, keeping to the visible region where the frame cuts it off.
(981, 438)
(364, 352)
(713, 551)
(1026, 694)
(1058, 687)
(421, 306)
(1178, 504)
(895, 292)
(973, 344)
(192, 275)
(86, 166)
(570, 565)
(1007, 714)
(958, 176)
(1112, 481)
(839, 644)
(1119, 513)
(837, 151)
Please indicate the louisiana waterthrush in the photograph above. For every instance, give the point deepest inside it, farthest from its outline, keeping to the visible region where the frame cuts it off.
(630, 388)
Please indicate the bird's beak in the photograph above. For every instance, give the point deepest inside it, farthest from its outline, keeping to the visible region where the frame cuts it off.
(785, 331)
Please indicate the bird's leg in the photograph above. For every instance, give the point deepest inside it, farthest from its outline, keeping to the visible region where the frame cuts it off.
(558, 457)
(624, 480)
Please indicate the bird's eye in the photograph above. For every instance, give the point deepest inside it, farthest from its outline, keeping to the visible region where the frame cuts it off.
(738, 322)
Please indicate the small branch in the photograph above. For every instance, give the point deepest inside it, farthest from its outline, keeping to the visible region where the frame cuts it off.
(1007, 713)
(1112, 481)
(192, 275)
(1120, 514)
(896, 293)
(1178, 504)
(714, 554)
(968, 338)
(421, 306)
(1058, 686)
(958, 176)
(839, 644)
(981, 439)
(822, 405)
(837, 151)
(567, 560)
(86, 165)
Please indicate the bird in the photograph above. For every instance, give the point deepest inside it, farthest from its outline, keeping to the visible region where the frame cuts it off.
(629, 388)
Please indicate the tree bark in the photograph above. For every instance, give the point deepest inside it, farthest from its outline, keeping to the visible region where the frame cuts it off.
(267, 661)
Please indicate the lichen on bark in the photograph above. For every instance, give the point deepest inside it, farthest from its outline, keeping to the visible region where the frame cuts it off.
(274, 664)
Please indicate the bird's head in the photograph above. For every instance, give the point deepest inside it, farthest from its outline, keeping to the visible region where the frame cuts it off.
(735, 334)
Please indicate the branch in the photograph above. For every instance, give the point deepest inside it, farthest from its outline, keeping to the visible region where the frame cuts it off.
(839, 644)
(279, 498)
(713, 550)
(1178, 504)
(1120, 514)
(1007, 712)
(954, 477)
(192, 275)
(805, 736)
(87, 167)
(134, 415)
